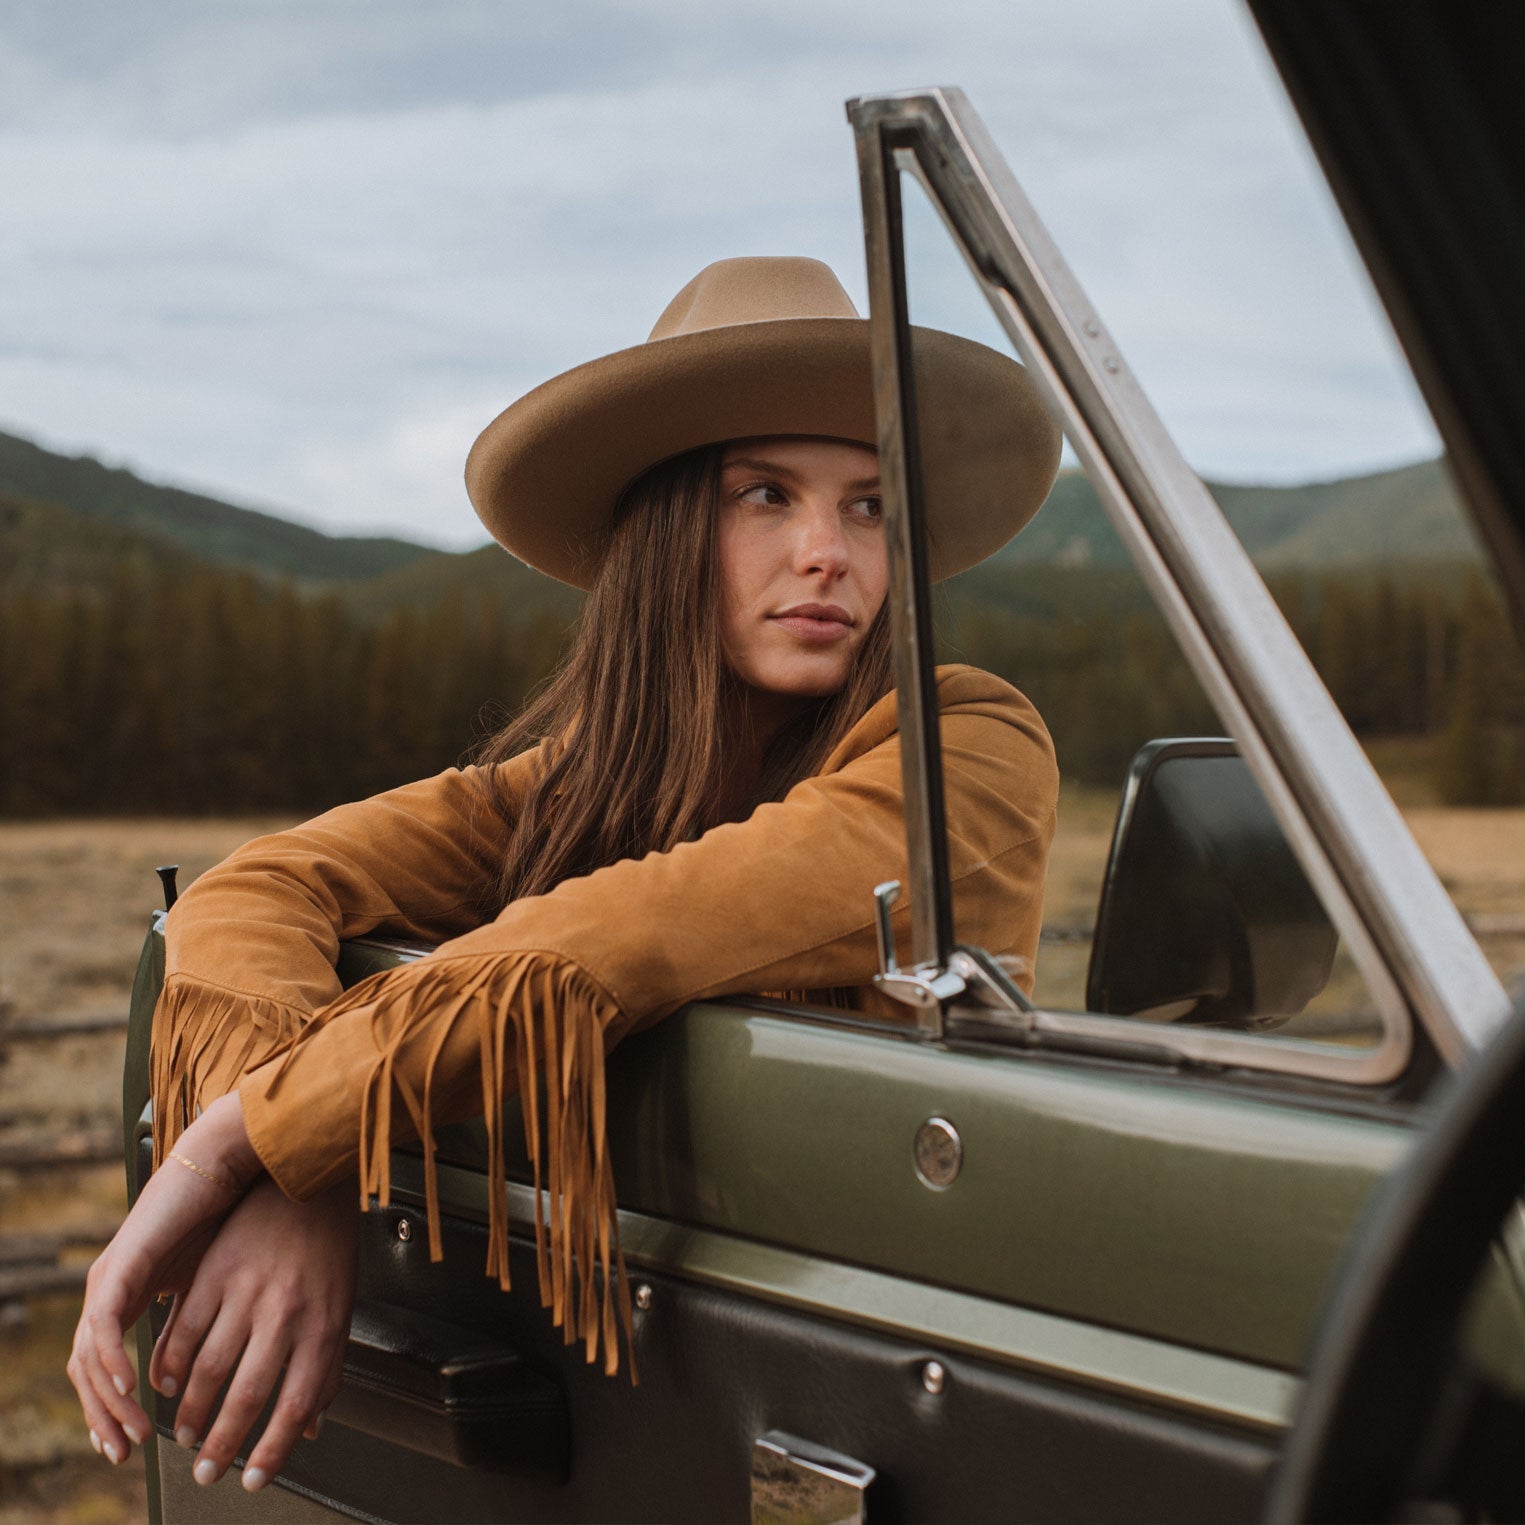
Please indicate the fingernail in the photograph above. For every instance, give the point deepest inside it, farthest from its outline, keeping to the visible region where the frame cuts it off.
(185, 1436)
(205, 1472)
(113, 1455)
(119, 1385)
(255, 1478)
(168, 1386)
(131, 1431)
(95, 1440)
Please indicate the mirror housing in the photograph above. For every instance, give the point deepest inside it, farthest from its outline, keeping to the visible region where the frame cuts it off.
(1205, 915)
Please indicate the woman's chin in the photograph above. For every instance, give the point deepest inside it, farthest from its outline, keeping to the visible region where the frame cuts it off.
(817, 682)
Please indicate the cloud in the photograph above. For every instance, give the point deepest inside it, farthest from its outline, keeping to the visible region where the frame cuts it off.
(299, 254)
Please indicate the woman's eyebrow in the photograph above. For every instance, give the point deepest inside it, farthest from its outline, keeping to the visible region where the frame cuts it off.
(757, 463)
(778, 469)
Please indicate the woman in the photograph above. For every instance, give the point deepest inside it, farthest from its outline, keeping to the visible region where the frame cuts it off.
(715, 791)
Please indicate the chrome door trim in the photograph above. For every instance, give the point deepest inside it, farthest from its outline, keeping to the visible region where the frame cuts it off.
(909, 597)
(944, 1322)
(1404, 933)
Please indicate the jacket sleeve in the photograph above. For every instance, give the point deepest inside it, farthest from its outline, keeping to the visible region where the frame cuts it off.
(252, 944)
(534, 999)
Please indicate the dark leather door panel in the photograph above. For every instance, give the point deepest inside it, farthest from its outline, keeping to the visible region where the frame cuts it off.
(717, 1370)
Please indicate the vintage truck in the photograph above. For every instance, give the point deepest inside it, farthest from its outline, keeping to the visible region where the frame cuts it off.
(1195, 1252)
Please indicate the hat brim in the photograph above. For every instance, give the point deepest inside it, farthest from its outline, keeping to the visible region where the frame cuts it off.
(546, 474)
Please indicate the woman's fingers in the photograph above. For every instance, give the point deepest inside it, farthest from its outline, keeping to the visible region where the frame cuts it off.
(106, 1435)
(229, 1340)
(333, 1380)
(99, 1367)
(312, 1380)
(219, 1355)
(106, 1325)
(302, 1399)
(156, 1372)
(175, 1349)
(251, 1386)
(105, 1318)
(115, 1420)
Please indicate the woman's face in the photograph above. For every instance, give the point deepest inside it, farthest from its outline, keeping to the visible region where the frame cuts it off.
(802, 561)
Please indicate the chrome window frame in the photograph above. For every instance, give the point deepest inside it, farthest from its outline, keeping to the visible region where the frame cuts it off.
(1404, 934)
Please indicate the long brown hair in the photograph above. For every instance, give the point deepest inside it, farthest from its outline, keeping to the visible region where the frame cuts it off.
(639, 720)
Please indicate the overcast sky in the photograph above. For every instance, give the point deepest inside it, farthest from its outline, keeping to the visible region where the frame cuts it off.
(298, 252)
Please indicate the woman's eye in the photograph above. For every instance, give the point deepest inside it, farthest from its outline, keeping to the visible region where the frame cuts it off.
(763, 494)
(866, 508)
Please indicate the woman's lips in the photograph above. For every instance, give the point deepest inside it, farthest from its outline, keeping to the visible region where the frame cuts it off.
(818, 624)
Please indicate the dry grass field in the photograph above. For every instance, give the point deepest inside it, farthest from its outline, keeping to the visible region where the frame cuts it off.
(75, 897)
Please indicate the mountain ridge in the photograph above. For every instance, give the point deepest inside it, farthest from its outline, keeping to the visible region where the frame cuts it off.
(1400, 514)
(69, 519)
(208, 528)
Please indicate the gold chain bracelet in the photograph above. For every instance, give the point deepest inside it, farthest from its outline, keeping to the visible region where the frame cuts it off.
(206, 1175)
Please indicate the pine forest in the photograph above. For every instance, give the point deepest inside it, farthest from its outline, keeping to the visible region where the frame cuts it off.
(208, 690)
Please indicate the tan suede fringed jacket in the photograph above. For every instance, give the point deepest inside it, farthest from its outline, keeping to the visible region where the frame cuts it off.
(535, 998)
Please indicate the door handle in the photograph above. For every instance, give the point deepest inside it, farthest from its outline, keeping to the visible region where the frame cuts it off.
(796, 1482)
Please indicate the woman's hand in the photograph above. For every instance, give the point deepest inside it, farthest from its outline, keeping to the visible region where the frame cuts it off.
(274, 1290)
(157, 1249)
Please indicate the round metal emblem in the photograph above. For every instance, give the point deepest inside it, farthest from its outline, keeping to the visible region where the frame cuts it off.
(939, 1153)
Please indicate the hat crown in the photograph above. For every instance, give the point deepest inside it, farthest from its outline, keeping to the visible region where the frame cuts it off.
(759, 289)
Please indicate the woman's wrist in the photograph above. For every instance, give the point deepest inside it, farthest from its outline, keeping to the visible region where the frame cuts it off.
(220, 1145)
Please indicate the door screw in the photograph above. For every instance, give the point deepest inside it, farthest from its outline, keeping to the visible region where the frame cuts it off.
(643, 1296)
(404, 1229)
(933, 1377)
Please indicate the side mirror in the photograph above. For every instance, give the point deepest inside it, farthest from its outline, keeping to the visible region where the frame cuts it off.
(1205, 914)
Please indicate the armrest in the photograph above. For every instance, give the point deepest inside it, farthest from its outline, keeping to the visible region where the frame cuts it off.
(450, 1392)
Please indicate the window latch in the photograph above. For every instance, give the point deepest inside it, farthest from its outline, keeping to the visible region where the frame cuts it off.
(926, 989)
(970, 973)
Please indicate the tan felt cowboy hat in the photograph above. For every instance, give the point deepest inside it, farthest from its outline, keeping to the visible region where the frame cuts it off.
(754, 347)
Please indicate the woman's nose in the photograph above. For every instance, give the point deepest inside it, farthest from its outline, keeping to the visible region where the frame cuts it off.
(821, 546)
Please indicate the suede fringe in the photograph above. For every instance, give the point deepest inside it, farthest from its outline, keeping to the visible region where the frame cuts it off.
(555, 1018)
(201, 1030)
